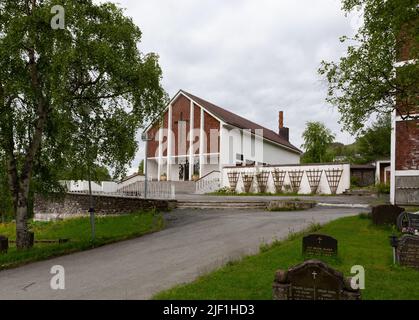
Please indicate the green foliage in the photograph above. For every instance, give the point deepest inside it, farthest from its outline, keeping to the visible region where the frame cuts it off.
(108, 230)
(355, 181)
(314, 227)
(317, 139)
(364, 81)
(375, 142)
(383, 188)
(98, 173)
(98, 86)
(72, 98)
(224, 191)
(360, 243)
(372, 144)
(141, 167)
(364, 215)
(6, 202)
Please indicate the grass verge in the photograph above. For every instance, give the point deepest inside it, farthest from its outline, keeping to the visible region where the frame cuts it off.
(108, 230)
(359, 243)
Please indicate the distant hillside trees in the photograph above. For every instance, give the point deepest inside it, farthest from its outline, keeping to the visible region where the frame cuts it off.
(372, 144)
(375, 142)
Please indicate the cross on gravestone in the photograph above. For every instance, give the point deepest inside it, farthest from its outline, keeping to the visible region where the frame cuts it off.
(408, 221)
(313, 280)
(316, 244)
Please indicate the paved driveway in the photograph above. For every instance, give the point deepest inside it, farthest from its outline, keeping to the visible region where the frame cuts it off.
(195, 242)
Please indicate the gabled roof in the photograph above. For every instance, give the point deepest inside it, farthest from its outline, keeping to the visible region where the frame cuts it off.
(240, 122)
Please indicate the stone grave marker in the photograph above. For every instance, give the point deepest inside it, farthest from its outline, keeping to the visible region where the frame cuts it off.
(385, 214)
(407, 251)
(408, 221)
(313, 280)
(4, 244)
(320, 244)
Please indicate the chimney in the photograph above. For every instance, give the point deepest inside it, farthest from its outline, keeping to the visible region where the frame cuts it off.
(281, 120)
(284, 132)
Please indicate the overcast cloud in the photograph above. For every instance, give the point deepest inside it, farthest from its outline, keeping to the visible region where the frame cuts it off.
(252, 57)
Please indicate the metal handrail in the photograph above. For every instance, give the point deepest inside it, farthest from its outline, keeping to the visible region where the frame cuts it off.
(213, 171)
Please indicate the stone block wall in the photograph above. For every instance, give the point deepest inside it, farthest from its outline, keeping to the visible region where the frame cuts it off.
(73, 205)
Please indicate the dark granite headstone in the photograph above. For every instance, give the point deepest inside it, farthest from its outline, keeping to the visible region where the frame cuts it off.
(385, 214)
(4, 244)
(313, 280)
(320, 244)
(408, 221)
(408, 251)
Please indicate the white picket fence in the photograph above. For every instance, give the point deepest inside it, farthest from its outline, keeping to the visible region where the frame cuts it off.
(155, 190)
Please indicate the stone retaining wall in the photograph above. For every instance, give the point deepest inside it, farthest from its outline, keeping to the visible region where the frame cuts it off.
(73, 205)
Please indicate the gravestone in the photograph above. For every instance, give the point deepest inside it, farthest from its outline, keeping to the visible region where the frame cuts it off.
(385, 214)
(408, 221)
(408, 251)
(320, 244)
(313, 280)
(4, 244)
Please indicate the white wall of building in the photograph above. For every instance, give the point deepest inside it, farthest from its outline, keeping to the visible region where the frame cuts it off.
(83, 186)
(235, 141)
(273, 154)
(324, 188)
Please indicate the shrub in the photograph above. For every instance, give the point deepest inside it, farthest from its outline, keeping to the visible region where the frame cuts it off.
(364, 215)
(355, 182)
(383, 188)
(225, 190)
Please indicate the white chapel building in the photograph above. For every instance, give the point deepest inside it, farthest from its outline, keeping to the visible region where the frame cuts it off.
(193, 138)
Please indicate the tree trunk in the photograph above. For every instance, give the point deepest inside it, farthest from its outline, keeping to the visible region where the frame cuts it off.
(24, 238)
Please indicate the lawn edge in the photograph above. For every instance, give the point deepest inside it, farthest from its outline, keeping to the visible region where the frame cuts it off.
(14, 265)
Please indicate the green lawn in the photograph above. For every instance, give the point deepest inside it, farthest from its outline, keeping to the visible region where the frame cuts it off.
(359, 242)
(108, 230)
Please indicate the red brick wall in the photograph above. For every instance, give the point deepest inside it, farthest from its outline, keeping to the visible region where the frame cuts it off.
(407, 145)
(211, 123)
(197, 125)
(404, 44)
(182, 106)
(165, 138)
(153, 145)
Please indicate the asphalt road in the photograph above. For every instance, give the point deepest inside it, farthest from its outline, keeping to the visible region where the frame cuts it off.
(195, 242)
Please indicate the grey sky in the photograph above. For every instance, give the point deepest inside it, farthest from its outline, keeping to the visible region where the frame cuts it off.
(253, 57)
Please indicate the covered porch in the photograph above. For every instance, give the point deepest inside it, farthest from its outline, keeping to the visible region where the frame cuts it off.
(182, 168)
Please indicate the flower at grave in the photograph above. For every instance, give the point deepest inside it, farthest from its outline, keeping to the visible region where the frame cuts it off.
(409, 230)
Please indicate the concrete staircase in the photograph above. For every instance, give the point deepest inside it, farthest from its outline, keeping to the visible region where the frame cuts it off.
(200, 204)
